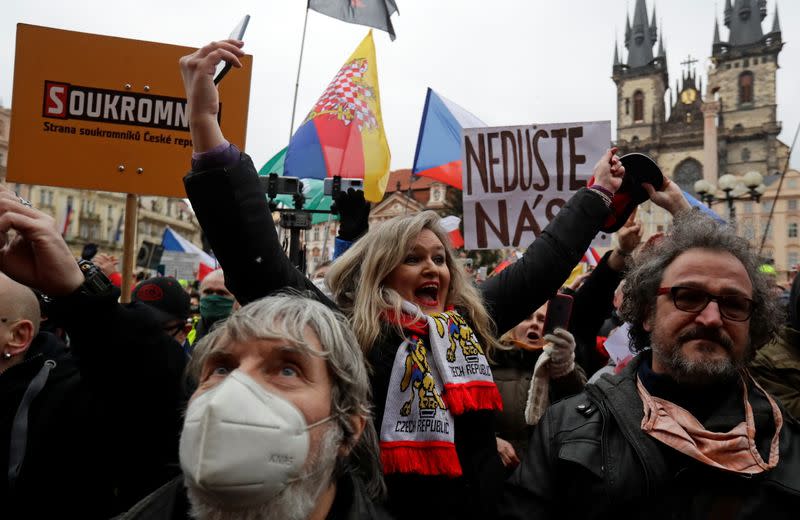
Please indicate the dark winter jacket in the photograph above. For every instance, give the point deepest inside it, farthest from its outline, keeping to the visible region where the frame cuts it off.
(777, 365)
(589, 458)
(231, 207)
(103, 430)
(170, 502)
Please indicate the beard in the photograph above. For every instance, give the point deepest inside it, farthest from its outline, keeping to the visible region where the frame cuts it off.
(703, 371)
(295, 502)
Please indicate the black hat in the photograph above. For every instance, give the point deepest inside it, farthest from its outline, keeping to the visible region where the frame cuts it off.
(639, 169)
(164, 294)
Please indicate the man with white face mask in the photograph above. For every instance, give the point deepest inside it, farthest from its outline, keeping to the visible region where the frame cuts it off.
(279, 426)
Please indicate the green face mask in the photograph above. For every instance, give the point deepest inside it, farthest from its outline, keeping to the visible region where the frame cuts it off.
(215, 307)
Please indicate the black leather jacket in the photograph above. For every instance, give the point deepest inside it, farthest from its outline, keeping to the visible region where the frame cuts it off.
(170, 503)
(588, 458)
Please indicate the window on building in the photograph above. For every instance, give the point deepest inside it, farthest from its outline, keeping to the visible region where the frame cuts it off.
(791, 184)
(792, 204)
(791, 230)
(316, 233)
(745, 154)
(638, 106)
(792, 259)
(746, 87)
(627, 106)
(766, 206)
(687, 173)
(765, 231)
(748, 208)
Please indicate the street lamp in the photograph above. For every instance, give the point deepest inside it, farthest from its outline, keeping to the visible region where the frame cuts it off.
(748, 187)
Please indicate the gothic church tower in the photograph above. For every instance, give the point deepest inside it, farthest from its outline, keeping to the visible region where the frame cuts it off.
(641, 82)
(742, 80)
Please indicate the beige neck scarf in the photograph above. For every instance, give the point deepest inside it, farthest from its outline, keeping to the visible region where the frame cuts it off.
(734, 450)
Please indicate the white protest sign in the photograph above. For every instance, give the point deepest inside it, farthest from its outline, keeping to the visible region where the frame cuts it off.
(517, 178)
(618, 344)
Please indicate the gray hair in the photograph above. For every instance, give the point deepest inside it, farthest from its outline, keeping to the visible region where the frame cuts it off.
(694, 230)
(287, 317)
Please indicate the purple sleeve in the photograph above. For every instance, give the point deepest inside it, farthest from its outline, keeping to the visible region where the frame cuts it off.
(225, 154)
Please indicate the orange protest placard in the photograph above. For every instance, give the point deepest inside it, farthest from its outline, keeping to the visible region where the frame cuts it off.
(105, 113)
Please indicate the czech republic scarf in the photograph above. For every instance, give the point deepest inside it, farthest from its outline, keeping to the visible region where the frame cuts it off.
(439, 371)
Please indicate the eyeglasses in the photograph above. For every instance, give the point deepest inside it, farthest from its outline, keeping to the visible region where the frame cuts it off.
(688, 299)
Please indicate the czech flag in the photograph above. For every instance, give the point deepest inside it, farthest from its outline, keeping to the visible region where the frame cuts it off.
(172, 241)
(451, 226)
(438, 154)
(343, 134)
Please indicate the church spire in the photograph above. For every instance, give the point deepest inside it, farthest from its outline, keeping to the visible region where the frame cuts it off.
(744, 21)
(662, 53)
(616, 53)
(776, 23)
(716, 31)
(627, 29)
(652, 29)
(728, 13)
(640, 37)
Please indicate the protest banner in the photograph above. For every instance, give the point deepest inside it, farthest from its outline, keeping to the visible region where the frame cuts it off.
(103, 113)
(517, 178)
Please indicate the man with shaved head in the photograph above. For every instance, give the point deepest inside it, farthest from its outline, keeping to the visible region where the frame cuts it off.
(20, 317)
(89, 429)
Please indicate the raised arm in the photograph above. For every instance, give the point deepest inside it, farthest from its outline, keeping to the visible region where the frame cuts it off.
(226, 192)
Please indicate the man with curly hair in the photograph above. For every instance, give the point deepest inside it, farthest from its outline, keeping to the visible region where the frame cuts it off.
(684, 431)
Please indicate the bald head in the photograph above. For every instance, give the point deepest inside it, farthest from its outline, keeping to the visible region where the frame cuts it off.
(18, 302)
(214, 283)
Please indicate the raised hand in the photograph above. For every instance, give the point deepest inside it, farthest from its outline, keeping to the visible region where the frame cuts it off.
(608, 172)
(32, 251)
(197, 70)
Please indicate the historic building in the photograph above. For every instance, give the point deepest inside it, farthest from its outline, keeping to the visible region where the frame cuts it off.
(727, 126)
(97, 216)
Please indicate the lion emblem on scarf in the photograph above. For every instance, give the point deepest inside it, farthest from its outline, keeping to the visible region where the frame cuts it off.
(418, 376)
(461, 336)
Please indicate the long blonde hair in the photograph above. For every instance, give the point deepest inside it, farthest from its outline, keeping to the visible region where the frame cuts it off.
(356, 279)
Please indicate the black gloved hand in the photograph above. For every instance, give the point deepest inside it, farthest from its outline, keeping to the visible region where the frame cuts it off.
(353, 212)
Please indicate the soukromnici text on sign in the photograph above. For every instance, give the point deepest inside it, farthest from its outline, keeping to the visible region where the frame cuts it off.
(517, 178)
(104, 113)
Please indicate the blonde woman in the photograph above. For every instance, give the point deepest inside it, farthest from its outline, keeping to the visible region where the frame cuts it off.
(425, 330)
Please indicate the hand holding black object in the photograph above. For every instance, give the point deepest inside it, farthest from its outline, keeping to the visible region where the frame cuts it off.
(353, 212)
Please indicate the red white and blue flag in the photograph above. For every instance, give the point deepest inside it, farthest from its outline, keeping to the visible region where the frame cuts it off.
(438, 154)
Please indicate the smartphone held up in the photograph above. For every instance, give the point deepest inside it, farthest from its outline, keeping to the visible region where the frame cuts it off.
(236, 34)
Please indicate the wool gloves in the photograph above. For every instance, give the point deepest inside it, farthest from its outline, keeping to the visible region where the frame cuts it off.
(556, 360)
(561, 348)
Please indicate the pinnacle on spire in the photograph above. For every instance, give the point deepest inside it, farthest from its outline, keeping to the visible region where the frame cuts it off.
(716, 31)
(661, 52)
(728, 13)
(776, 23)
(616, 53)
(627, 30)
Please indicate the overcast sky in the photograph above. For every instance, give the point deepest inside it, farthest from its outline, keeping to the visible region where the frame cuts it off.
(508, 62)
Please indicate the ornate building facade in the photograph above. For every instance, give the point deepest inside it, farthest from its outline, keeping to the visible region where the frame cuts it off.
(728, 127)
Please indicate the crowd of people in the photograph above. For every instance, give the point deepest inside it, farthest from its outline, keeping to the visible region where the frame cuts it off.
(391, 384)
